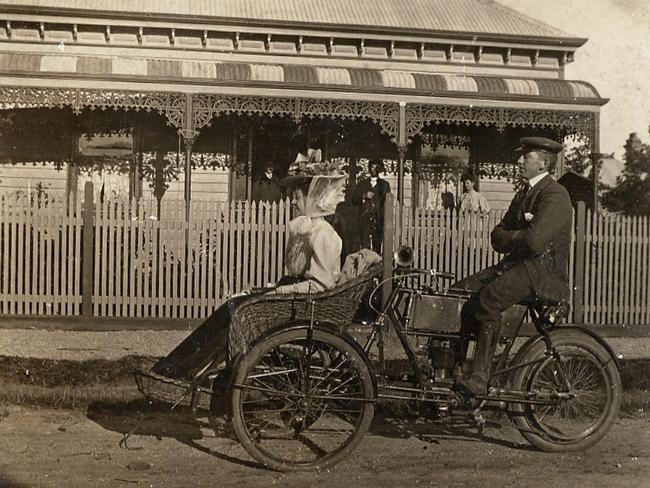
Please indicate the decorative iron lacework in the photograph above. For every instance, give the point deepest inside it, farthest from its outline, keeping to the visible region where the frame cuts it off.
(420, 115)
(446, 140)
(499, 171)
(174, 107)
(171, 105)
(506, 171)
(437, 169)
(206, 107)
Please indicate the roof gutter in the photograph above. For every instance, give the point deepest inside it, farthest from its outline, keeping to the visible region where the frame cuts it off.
(202, 22)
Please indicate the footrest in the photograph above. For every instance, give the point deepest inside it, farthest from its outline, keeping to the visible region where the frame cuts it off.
(169, 390)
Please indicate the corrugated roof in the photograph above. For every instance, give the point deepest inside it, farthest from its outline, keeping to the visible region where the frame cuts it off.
(457, 16)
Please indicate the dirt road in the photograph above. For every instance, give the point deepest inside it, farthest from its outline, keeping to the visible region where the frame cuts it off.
(59, 448)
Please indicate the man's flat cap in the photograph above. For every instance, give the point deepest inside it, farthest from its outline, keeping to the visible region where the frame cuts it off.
(539, 143)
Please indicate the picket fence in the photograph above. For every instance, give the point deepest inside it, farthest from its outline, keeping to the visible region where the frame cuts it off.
(137, 265)
(609, 259)
(616, 274)
(40, 256)
(115, 258)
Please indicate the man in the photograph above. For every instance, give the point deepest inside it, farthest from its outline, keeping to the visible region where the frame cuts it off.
(535, 235)
(266, 188)
(370, 196)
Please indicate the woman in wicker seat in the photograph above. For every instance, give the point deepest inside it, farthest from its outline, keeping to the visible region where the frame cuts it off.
(312, 264)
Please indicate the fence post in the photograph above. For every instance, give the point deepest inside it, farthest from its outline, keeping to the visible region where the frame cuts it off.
(87, 258)
(387, 250)
(579, 266)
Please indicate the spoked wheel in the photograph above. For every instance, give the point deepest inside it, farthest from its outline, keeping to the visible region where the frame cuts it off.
(581, 393)
(301, 402)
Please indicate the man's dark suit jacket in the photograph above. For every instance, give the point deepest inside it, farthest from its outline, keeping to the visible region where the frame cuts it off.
(381, 189)
(542, 243)
(266, 189)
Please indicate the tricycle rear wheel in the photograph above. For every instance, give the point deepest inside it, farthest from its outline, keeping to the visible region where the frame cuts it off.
(302, 400)
(594, 386)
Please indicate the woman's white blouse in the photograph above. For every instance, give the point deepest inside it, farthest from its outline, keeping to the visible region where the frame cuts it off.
(313, 252)
(474, 201)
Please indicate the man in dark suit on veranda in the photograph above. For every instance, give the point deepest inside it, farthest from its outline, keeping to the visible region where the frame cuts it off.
(266, 188)
(535, 235)
(370, 196)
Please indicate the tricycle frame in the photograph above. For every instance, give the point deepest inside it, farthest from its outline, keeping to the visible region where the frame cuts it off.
(426, 390)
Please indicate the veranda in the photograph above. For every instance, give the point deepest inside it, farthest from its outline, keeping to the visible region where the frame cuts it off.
(157, 255)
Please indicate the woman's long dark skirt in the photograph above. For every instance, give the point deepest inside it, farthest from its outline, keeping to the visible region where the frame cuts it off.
(208, 343)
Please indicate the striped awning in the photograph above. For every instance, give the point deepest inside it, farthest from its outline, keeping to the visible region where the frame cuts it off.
(301, 76)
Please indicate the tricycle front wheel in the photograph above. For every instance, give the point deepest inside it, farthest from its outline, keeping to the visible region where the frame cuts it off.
(302, 400)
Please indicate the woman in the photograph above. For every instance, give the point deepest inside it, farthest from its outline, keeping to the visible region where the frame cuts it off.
(471, 199)
(313, 253)
(312, 264)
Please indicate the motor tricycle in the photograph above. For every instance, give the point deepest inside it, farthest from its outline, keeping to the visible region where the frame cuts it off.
(301, 391)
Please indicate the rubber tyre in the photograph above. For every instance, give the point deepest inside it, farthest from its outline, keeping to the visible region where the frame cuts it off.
(591, 352)
(254, 357)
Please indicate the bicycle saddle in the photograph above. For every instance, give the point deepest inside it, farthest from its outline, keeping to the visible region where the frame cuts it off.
(551, 311)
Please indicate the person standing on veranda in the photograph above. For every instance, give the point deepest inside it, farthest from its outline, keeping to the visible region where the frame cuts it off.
(370, 197)
(472, 200)
(266, 187)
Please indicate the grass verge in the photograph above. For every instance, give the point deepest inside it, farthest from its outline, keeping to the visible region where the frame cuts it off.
(76, 384)
(66, 396)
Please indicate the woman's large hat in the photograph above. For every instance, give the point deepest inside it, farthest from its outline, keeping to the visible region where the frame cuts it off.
(304, 168)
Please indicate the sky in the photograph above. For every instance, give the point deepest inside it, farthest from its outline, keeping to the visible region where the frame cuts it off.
(616, 59)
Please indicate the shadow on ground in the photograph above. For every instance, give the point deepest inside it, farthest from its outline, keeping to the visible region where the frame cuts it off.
(436, 430)
(5, 482)
(143, 418)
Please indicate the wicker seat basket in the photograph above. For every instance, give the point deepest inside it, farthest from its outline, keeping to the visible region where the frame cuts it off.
(336, 307)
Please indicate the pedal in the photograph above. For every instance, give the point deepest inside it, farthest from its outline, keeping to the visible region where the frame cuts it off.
(495, 402)
(493, 399)
(466, 402)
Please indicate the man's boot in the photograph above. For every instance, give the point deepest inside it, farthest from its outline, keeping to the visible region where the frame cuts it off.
(476, 382)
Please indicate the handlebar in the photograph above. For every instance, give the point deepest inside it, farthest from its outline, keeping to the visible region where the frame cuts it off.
(431, 272)
(406, 273)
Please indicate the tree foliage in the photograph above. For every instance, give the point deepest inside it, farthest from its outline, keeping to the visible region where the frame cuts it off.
(578, 156)
(631, 194)
(579, 159)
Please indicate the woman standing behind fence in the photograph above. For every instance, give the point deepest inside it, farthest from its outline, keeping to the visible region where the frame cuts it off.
(312, 264)
(472, 200)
